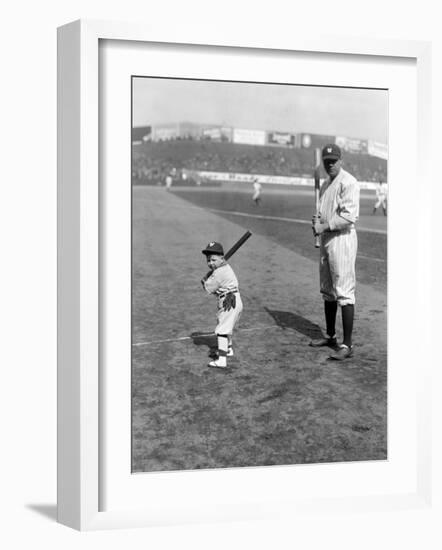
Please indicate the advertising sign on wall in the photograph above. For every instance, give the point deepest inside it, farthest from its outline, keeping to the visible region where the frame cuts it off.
(281, 138)
(377, 149)
(251, 137)
(352, 145)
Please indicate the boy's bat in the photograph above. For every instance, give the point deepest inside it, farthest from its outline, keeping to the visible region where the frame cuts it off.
(231, 251)
(237, 245)
(317, 175)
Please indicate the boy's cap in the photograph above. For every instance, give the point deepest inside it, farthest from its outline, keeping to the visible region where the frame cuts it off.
(213, 248)
(331, 151)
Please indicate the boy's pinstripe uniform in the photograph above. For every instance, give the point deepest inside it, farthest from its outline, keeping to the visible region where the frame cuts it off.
(339, 207)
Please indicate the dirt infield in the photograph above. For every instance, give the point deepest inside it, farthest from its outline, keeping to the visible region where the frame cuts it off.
(280, 401)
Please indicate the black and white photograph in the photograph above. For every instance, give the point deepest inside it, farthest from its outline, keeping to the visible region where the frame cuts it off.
(259, 274)
(220, 283)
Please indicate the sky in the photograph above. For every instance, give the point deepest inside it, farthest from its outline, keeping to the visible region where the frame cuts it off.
(349, 112)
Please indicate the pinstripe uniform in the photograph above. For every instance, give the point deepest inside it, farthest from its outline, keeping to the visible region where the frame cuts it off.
(339, 206)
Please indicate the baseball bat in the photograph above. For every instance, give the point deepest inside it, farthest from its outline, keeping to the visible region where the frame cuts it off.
(317, 176)
(237, 245)
(233, 249)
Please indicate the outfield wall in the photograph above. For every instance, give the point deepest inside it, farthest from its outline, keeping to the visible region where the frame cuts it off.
(234, 177)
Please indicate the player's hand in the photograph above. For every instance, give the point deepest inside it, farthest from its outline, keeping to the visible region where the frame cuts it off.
(229, 301)
(316, 221)
(319, 228)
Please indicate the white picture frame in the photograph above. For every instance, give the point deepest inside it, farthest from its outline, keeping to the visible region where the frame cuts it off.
(79, 361)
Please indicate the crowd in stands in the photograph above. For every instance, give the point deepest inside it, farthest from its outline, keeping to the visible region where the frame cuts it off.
(152, 161)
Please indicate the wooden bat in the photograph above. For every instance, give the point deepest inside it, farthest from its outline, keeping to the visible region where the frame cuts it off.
(231, 251)
(317, 176)
(237, 245)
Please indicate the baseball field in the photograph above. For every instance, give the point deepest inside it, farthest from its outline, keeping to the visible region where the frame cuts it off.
(280, 401)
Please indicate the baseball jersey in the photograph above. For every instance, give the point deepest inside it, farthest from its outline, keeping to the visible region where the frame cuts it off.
(382, 190)
(339, 201)
(221, 281)
(224, 280)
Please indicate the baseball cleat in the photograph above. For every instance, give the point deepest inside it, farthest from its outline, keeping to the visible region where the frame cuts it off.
(213, 354)
(320, 342)
(344, 352)
(216, 363)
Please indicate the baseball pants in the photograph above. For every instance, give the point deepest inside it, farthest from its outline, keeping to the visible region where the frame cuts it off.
(228, 319)
(337, 266)
(380, 201)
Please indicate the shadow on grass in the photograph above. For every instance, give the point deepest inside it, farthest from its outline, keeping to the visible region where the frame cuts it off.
(290, 320)
(208, 339)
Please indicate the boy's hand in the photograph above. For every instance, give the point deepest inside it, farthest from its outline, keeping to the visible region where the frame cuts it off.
(229, 301)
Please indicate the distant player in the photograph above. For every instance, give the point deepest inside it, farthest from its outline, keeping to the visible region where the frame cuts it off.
(168, 182)
(222, 282)
(381, 197)
(256, 192)
(338, 213)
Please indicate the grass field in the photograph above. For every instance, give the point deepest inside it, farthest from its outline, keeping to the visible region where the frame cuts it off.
(280, 401)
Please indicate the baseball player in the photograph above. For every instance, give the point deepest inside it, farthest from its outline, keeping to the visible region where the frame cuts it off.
(222, 282)
(168, 182)
(338, 213)
(381, 197)
(256, 191)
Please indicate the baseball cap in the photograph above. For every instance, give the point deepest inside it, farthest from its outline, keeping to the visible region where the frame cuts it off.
(331, 151)
(213, 248)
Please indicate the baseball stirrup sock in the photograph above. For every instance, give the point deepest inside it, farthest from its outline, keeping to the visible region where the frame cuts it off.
(330, 310)
(347, 323)
(223, 344)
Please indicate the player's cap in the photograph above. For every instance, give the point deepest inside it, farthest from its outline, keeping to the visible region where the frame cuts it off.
(213, 248)
(331, 151)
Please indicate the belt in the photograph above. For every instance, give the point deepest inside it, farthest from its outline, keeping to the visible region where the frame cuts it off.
(224, 294)
(343, 231)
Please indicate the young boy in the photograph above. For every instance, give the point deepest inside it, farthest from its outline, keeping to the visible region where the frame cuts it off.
(222, 281)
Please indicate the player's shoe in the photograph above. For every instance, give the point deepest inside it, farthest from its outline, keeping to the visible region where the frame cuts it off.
(218, 364)
(331, 342)
(344, 352)
(213, 354)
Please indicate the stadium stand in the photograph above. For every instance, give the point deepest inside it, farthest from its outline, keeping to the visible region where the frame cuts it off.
(152, 161)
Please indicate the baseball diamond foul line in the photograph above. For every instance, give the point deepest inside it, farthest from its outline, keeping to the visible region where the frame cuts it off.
(202, 334)
(281, 219)
(370, 258)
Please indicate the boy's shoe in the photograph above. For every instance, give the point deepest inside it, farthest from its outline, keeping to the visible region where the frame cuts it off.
(326, 341)
(344, 352)
(218, 364)
(213, 354)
